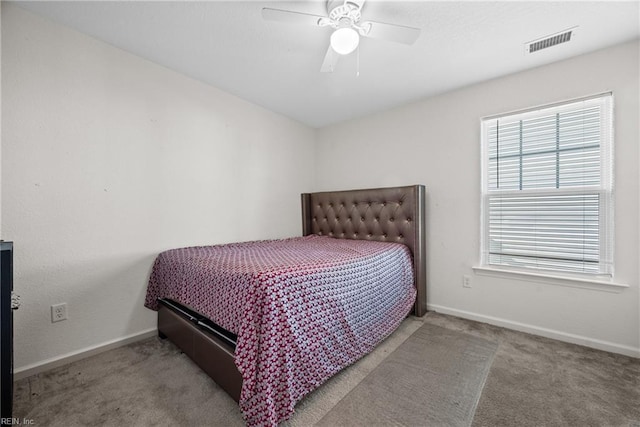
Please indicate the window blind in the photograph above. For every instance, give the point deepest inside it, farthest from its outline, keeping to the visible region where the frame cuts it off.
(547, 188)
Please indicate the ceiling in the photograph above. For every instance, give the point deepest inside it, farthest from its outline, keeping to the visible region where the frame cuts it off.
(228, 45)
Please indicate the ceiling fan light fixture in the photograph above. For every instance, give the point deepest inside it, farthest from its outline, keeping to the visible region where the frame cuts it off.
(345, 40)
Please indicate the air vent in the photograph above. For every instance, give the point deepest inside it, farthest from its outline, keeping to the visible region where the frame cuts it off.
(548, 41)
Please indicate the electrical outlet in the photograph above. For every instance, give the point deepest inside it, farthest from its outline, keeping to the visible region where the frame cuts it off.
(58, 312)
(466, 281)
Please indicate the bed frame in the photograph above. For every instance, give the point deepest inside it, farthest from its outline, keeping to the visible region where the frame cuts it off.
(394, 214)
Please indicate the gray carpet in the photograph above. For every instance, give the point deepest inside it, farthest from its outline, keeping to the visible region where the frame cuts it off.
(540, 382)
(532, 381)
(434, 378)
(151, 383)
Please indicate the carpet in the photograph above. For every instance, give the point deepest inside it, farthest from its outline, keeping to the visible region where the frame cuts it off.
(151, 382)
(434, 378)
(533, 381)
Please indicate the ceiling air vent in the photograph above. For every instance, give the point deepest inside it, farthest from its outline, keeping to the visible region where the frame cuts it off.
(548, 41)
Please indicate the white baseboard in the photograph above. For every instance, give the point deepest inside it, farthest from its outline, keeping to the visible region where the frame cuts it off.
(55, 362)
(45, 365)
(544, 332)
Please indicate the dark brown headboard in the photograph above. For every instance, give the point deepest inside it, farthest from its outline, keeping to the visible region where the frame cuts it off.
(395, 214)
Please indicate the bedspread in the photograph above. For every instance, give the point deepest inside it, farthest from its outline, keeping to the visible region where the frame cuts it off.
(303, 308)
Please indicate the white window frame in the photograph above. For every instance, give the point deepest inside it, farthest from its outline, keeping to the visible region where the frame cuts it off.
(604, 189)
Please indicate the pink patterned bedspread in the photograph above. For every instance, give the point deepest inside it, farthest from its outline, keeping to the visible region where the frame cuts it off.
(303, 308)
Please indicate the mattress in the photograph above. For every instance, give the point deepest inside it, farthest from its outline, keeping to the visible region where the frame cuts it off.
(302, 308)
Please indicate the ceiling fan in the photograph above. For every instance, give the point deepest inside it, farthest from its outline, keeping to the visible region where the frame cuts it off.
(344, 17)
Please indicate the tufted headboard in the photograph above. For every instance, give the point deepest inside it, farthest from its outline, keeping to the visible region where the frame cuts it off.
(395, 214)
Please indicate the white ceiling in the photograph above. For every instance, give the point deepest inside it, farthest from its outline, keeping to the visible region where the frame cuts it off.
(275, 65)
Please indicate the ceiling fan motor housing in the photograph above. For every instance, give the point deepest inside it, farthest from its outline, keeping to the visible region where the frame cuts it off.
(341, 9)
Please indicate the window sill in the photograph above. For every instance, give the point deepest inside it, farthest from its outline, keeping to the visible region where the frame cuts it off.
(596, 284)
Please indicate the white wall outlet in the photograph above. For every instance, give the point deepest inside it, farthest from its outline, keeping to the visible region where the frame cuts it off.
(58, 312)
(466, 281)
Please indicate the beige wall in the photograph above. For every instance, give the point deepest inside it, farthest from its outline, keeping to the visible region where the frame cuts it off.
(436, 142)
(109, 159)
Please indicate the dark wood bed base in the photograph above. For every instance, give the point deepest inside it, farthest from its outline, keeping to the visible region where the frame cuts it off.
(212, 354)
(394, 214)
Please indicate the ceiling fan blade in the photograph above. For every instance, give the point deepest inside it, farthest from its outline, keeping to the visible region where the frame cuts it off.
(290, 17)
(391, 32)
(330, 61)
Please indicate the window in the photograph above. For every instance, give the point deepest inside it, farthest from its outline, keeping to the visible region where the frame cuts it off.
(547, 188)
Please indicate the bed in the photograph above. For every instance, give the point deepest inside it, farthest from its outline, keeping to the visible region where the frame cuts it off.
(300, 321)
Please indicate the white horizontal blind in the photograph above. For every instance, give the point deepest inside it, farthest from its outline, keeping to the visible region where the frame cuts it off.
(547, 190)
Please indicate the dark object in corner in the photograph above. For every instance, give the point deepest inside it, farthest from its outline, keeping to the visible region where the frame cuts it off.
(6, 335)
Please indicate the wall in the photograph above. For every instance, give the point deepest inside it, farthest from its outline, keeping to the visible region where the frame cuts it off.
(436, 142)
(0, 130)
(109, 159)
